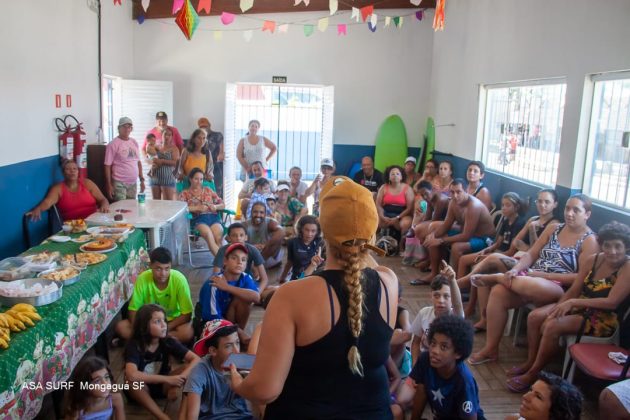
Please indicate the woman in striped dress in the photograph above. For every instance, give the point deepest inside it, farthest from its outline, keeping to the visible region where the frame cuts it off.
(162, 179)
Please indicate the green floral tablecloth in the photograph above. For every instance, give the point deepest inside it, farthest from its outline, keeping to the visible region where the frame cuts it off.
(44, 355)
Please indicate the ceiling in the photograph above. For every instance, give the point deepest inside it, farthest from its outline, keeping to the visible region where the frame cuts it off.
(163, 8)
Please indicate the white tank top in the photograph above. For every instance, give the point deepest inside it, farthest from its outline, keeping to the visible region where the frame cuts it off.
(256, 152)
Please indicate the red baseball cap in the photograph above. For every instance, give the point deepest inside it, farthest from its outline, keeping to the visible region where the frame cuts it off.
(233, 247)
(209, 331)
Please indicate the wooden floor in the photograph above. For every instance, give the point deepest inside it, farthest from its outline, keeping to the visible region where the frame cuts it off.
(496, 400)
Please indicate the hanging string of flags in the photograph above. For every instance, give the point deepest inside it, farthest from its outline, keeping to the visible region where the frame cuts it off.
(187, 18)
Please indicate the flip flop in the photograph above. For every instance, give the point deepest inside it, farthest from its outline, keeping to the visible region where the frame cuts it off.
(515, 371)
(517, 386)
(419, 282)
(477, 282)
(481, 361)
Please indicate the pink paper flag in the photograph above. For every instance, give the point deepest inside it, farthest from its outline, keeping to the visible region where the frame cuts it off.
(366, 11)
(227, 18)
(177, 4)
(117, 2)
(342, 29)
(204, 5)
(269, 25)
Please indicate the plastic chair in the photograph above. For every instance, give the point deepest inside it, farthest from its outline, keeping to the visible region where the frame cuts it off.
(54, 223)
(592, 358)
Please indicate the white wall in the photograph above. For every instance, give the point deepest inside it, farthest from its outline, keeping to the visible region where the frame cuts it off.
(374, 74)
(117, 39)
(490, 41)
(47, 48)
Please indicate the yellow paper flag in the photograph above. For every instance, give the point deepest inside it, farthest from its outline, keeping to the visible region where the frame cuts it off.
(322, 24)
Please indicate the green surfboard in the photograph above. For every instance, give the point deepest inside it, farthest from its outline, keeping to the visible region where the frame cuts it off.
(429, 144)
(391, 143)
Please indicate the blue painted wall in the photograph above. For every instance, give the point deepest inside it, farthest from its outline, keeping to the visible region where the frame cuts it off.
(345, 155)
(22, 186)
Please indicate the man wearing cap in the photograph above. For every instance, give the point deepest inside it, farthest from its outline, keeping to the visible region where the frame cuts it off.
(161, 123)
(327, 168)
(411, 176)
(207, 393)
(122, 164)
(215, 143)
(370, 178)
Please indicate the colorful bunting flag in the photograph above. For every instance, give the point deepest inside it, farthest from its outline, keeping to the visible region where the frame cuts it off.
(204, 5)
(388, 20)
(187, 19)
(398, 21)
(374, 19)
(227, 18)
(177, 5)
(322, 24)
(145, 4)
(306, 2)
(438, 19)
(342, 29)
(218, 35)
(308, 30)
(248, 35)
(371, 27)
(284, 28)
(333, 5)
(420, 14)
(269, 25)
(246, 5)
(117, 2)
(355, 14)
(416, 2)
(366, 11)
(140, 19)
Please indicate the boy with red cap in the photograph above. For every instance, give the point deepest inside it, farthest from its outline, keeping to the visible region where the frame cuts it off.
(207, 393)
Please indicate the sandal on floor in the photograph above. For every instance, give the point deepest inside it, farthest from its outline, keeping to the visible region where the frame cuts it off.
(517, 386)
(475, 362)
(515, 371)
(419, 282)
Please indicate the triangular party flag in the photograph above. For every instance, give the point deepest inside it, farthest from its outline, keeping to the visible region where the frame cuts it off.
(308, 30)
(342, 29)
(366, 11)
(371, 27)
(117, 2)
(177, 5)
(248, 35)
(204, 5)
(333, 5)
(355, 14)
(398, 21)
(322, 24)
(227, 18)
(419, 14)
(246, 5)
(145, 4)
(284, 28)
(388, 20)
(416, 2)
(269, 25)
(187, 19)
(374, 19)
(218, 35)
(306, 2)
(140, 19)
(438, 18)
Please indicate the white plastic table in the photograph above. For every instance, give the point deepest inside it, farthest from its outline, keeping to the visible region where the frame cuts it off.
(151, 215)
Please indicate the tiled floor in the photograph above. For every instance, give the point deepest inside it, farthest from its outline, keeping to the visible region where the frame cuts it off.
(496, 400)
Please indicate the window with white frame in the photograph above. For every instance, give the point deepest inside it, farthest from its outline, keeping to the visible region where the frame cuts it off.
(521, 127)
(607, 174)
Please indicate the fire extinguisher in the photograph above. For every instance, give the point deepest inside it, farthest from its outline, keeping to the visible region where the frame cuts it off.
(80, 152)
(66, 140)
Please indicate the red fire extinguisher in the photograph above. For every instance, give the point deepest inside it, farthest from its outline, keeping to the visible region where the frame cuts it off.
(66, 140)
(80, 153)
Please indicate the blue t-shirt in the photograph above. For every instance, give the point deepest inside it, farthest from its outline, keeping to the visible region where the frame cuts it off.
(253, 257)
(215, 302)
(218, 401)
(454, 398)
(300, 255)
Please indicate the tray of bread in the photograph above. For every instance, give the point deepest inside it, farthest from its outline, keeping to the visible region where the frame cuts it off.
(83, 259)
(75, 226)
(67, 275)
(42, 261)
(102, 245)
(36, 292)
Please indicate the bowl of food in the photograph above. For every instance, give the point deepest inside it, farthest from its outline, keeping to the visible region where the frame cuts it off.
(66, 275)
(36, 292)
(76, 225)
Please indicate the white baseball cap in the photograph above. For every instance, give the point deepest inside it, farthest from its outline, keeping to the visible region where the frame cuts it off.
(411, 159)
(282, 187)
(328, 162)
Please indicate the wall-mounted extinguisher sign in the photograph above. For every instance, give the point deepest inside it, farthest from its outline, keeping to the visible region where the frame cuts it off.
(69, 101)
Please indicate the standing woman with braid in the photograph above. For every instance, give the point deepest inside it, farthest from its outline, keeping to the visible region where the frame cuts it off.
(325, 339)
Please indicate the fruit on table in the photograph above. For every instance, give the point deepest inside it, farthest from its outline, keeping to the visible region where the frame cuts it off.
(16, 319)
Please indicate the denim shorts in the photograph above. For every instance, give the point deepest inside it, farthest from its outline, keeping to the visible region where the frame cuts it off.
(207, 219)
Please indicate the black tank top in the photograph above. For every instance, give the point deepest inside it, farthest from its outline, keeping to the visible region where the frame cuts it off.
(320, 384)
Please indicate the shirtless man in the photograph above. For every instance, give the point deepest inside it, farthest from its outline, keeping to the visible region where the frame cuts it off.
(476, 227)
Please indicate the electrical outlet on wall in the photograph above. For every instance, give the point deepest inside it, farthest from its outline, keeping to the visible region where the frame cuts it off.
(92, 5)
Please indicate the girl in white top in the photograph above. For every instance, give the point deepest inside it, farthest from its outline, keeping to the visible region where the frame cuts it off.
(251, 148)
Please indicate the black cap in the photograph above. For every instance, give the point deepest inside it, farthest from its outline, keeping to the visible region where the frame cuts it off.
(160, 115)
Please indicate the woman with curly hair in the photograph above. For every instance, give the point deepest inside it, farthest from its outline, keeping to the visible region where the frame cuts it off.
(325, 339)
(600, 287)
(550, 398)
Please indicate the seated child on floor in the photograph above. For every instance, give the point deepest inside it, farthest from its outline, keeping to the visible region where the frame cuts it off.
(147, 360)
(231, 293)
(302, 248)
(207, 393)
(98, 402)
